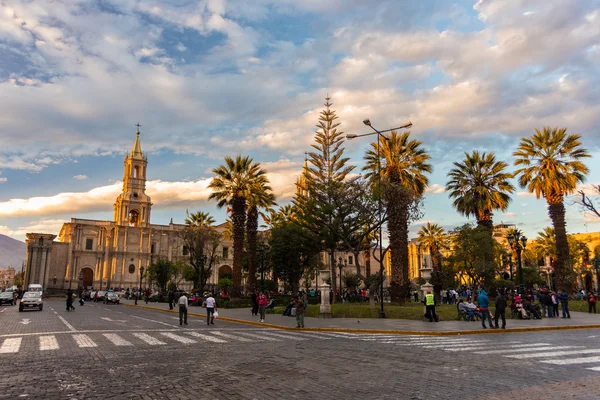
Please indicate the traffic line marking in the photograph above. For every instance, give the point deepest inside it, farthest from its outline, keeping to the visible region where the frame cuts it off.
(260, 337)
(67, 323)
(554, 353)
(206, 337)
(526, 349)
(116, 339)
(228, 336)
(84, 341)
(286, 336)
(178, 338)
(48, 343)
(11, 345)
(570, 361)
(148, 339)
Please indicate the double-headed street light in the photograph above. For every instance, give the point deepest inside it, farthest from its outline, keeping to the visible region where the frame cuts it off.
(379, 204)
(513, 241)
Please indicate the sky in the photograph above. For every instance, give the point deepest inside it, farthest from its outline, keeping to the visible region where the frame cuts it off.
(210, 78)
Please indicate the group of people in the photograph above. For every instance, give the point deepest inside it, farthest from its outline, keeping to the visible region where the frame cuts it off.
(472, 312)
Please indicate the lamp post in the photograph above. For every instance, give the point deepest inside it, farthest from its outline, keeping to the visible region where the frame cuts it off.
(341, 267)
(263, 251)
(513, 240)
(141, 276)
(379, 203)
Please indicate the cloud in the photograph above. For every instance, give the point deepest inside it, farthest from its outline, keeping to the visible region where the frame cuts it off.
(51, 226)
(509, 214)
(80, 177)
(435, 189)
(525, 194)
(3, 179)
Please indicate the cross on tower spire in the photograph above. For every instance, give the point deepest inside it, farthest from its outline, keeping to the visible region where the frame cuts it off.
(138, 127)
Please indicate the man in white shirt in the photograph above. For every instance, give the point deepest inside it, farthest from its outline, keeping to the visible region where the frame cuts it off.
(183, 305)
(210, 310)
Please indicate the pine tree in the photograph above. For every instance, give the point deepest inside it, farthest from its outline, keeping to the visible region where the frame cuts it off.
(326, 174)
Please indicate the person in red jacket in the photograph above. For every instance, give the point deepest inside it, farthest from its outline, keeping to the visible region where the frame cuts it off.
(262, 304)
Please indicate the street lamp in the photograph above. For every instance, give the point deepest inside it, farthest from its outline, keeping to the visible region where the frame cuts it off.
(141, 276)
(380, 135)
(513, 241)
(263, 252)
(341, 267)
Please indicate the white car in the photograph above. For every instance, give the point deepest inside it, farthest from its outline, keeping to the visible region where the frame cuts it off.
(31, 300)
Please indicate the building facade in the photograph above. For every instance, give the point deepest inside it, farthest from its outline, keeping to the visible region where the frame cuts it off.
(111, 254)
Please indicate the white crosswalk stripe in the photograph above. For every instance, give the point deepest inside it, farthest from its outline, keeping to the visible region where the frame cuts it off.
(148, 339)
(228, 336)
(525, 349)
(594, 368)
(11, 345)
(48, 343)
(481, 349)
(177, 338)
(208, 338)
(551, 354)
(259, 337)
(283, 336)
(571, 361)
(117, 340)
(84, 341)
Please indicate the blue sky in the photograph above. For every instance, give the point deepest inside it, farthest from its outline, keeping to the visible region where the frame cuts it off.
(221, 77)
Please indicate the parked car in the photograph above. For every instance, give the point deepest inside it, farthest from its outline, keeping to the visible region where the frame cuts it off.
(31, 300)
(111, 297)
(7, 298)
(100, 295)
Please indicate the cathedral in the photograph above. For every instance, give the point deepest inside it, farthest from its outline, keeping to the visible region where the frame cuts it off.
(111, 254)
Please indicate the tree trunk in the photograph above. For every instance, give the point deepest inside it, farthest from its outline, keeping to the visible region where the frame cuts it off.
(562, 266)
(238, 218)
(251, 237)
(398, 236)
(367, 254)
(333, 275)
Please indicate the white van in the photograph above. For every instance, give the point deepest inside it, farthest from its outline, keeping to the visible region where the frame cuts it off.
(34, 287)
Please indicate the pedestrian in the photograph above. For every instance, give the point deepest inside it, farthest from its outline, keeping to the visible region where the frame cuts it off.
(254, 301)
(546, 302)
(554, 304)
(564, 303)
(183, 305)
(430, 303)
(262, 304)
(147, 295)
(171, 297)
(70, 300)
(300, 309)
(500, 309)
(591, 299)
(210, 310)
(416, 296)
(484, 304)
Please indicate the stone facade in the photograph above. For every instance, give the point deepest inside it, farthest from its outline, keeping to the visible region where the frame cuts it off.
(110, 254)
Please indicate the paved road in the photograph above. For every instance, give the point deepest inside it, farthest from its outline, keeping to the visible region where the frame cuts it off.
(110, 351)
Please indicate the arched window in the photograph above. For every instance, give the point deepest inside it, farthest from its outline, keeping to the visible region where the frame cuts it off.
(131, 268)
(136, 171)
(134, 218)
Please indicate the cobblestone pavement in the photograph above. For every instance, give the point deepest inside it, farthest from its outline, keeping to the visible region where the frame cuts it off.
(111, 351)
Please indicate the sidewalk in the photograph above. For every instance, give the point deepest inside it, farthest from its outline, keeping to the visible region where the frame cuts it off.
(579, 320)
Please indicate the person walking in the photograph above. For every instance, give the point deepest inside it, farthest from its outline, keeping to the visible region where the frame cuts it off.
(70, 300)
(210, 310)
(564, 303)
(254, 301)
(300, 309)
(262, 304)
(147, 295)
(500, 309)
(430, 313)
(183, 306)
(554, 304)
(591, 299)
(171, 299)
(484, 304)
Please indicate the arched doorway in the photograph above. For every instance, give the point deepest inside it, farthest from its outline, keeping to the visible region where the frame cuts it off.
(225, 271)
(88, 277)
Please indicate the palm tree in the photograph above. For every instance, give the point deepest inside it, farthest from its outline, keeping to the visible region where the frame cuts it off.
(403, 166)
(515, 233)
(199, 219)
(231, 186)
(259, 196)
(545, 243)
(432, 236)
(479, 185)
(551, 166)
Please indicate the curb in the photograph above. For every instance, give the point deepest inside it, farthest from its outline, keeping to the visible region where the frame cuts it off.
(383, 331)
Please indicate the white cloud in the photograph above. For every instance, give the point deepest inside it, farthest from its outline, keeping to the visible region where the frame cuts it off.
(80, 177)
(525, 194)
(436, 188)
(509, 214)
(3, 179)
(51, 226)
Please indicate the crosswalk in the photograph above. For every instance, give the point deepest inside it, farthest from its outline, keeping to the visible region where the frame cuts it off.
(539, 351)
(47, 342)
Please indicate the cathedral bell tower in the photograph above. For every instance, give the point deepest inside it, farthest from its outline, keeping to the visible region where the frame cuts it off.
(133, 205)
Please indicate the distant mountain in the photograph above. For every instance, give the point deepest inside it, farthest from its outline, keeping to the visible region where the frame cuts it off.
(12, 252)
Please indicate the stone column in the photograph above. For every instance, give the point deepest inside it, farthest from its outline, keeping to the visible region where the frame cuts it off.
(325, 308)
